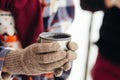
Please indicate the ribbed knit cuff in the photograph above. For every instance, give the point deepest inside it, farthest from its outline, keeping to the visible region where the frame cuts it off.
(13, 63)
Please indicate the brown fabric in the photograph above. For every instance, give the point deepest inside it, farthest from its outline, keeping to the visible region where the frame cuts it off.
(72, 46)
(67, 66)
(58, 72)
(71, 55)
(39, 58)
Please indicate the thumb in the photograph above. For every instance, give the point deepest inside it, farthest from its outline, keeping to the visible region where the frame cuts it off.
(72, 46)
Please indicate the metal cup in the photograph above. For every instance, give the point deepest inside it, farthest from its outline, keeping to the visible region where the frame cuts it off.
(61, 38)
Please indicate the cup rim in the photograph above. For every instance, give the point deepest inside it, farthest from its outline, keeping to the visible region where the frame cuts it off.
(44, 36)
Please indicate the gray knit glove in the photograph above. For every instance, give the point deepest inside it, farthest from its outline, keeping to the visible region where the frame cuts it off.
(40, 58)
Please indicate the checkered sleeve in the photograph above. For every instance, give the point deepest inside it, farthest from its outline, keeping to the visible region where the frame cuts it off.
(63, 17)
(65, 11)
(3, 53)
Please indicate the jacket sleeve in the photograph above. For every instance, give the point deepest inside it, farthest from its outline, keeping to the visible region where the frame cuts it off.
(3, 53)
(92, 5)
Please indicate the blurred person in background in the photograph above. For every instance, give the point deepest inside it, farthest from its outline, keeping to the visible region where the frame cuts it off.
(28, 24)
(107, 66)
(58, 16)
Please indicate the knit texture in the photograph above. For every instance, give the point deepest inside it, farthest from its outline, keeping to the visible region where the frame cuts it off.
(39, 58)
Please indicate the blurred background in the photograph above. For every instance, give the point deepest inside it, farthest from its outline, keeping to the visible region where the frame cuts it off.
(84, 31)
(80, 31)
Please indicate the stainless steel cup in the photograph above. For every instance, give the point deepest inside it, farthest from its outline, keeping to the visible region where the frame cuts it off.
(61, 38)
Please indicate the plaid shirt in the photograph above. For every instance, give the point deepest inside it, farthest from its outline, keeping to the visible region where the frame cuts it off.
(3, 53)
(59, 16)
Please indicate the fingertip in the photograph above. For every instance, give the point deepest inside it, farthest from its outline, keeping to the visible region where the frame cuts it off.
(72, 46)
(58, 72)
(67, 66)
(71, 55)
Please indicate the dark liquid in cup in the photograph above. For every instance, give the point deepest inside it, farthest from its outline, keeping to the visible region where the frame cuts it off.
(56, 36)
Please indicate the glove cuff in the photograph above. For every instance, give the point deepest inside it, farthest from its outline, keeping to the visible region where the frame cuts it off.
(13, 62)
